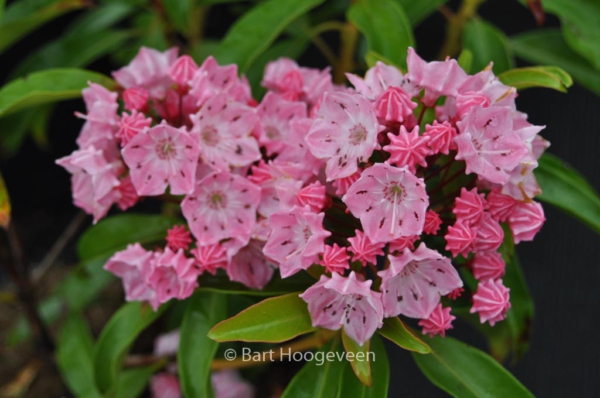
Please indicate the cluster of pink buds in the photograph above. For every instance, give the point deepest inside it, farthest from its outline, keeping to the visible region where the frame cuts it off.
(381, 191)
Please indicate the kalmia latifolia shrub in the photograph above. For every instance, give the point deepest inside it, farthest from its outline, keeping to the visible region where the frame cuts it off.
(382, 190)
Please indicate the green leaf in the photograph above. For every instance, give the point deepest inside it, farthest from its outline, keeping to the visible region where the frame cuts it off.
(179, 12)
(547, 46)
(100, 18)
(257, 29)
(273, 320)
(385, 26)
(46, 87)
(117, 337)
(360, 362)
(394, 330)
(487, 43)
(565, 188)
(373, 57)
(464, 371)
(537, 76)
(2, 3)
(350, 386)
(319, 381)
(196, 350)
(74, 353)
(4, 205)
(465, 60)
(132, 382)
(221, 283)
(417, 11)
(24, 16)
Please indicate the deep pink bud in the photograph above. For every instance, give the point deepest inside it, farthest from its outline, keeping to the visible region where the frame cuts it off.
(438, 322)
(491, 301)
(182, 71)
(136, 98)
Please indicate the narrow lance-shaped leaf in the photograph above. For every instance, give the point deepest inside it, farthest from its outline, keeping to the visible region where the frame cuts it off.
(547, 47)
(46, 87)
(537, 76)
(350, 386)
(385, 26)
(464, 371)
(273, 320)
(256, 30)
(196, 350)
(24, 16)
(563, 187)
(360, 363)
(117, 337)
(394, 330)
(487, 43)
(4, 205)
(316, 379)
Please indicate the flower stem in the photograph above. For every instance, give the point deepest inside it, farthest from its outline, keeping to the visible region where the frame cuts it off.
(346, 60)
(455, 27)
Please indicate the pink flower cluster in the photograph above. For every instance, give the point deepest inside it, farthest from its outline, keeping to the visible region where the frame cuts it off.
(380, 191)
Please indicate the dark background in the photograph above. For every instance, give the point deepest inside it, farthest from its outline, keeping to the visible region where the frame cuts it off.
(561, 266)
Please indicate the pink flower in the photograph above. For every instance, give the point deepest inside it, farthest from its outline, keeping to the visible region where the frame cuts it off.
(489, 235)
(165, 385)
(132, 125)
(343, 184)
(94, 182)
(415, 281)
(128, 195)
(283, 76)
(182, 70)
(488, 144)
(250, 266)
(441, 137)
(438, 321)
(335, 259)
(363, 249)
(279, 189)
(172, 276)
(339, 301)
(229, 384)
(223, 129)
(390, 202)
(211, 257)
(377, 80)
(136, 99)
(526, 220)
(522, 184)
(275, 114)
(162, 156)
(456, 293)
(129, 265)
(432, 223)
(470, 206)
(102, 121)
(500, 206)
(394, 105)
(212, 79)
(166, 344)
(313, 196)
(148, 70)
(408, 149)
(344, 133)
(222, 206)
(402, 243)
(178, 237)
(491, 301)
(488, 265)
(460, 238)
(296, 239)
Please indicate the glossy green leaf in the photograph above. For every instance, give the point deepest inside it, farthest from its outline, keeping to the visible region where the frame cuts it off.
(24, 16)
(319, 381)
(131, 383)
(273, 320)
(4, 205)
(221, 283)
(350, 386)
(257, 29)
(196, 350)
(46, 87)
(385, 26)
(394, 330)
(464, 371)
(373, 57)
(565, 188)
(417, 11)
(360, 362)
(74, 354)
(547, 47)
(117, 337)
(465, 60)
(487, 43)
(2, 4)
(537, 76)
(100, 18)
